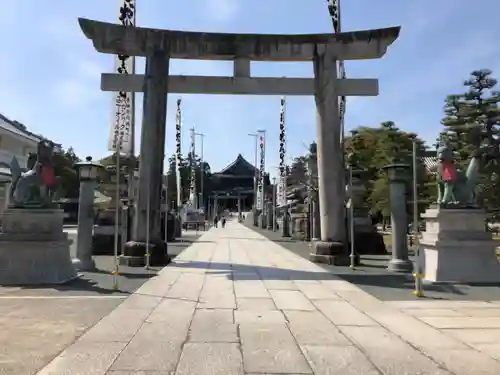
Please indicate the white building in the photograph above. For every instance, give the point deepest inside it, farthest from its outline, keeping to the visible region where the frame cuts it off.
(15, 140)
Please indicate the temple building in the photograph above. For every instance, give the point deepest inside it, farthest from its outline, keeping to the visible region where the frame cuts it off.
(236, 182)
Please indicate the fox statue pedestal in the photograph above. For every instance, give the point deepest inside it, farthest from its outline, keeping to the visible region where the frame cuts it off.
(34, 249)
(457, 248)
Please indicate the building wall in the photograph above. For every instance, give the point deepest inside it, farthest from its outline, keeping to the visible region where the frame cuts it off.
(15, 146)
(12, 144)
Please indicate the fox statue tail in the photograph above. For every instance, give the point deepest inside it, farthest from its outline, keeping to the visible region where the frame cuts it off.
(15, 169)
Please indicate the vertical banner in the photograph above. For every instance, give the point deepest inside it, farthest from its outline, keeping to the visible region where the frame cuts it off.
(262, 169)
(282, 166)
(121, 132)
(192, 185)
(334, 10)
(178, 154)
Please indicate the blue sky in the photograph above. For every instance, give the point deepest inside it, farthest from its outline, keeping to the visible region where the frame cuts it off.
(50, 74)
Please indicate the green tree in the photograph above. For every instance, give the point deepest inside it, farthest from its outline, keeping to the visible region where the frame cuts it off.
(65, 170)
(185, 172)
(472, 121)
(375, 148)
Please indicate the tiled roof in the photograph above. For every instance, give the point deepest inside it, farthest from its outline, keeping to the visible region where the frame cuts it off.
(239, 163)
(17, 128)
(430, 163)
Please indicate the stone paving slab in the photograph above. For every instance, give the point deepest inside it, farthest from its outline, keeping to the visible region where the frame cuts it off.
(373, 277)
(236, 303)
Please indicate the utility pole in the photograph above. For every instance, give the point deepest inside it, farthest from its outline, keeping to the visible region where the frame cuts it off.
(201, 202)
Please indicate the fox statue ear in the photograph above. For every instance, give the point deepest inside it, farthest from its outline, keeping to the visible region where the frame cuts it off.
(14, 164)
(32, 158)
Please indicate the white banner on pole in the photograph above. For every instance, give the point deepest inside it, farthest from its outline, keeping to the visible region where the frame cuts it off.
(282, 181)
(120, 139)
(192, 185)
(178, 154)
(262, 169)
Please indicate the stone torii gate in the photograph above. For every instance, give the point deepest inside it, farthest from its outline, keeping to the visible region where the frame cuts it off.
(324, 50)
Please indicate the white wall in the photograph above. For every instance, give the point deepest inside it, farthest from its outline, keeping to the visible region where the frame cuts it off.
(13, 145)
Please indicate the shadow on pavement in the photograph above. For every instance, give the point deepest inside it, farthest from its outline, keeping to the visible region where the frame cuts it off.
(80, 284)
(373, 277)
(249, 272)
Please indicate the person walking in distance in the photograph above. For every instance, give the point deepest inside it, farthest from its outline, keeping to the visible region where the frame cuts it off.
(223, 222)
(216, 220)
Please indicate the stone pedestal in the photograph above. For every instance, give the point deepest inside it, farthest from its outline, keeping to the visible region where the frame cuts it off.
(34, 250)
(367, 241)
(270, 216)
(457, 249)
(178, 227)
(299, 226)
(103, 238)
(329, 252)
(263, 220)
(255, 218)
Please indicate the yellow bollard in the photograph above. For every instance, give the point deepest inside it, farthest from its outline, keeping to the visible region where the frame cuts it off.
(418, 292)
(115, 274)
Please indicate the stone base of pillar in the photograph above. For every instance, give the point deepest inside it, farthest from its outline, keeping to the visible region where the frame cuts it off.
(84, 266)
(369, 243)
(332, 253)
(263, 221)
(134, 254)
(400, 265)
(178, 228)
(255, 218)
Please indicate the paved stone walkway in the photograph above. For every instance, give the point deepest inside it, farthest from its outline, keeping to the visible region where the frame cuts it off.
(237, 303)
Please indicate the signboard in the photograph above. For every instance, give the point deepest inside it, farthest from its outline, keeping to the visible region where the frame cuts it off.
(262, 169)
(121, 132)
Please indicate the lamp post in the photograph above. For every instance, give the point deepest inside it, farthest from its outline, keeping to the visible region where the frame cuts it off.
(87, 173)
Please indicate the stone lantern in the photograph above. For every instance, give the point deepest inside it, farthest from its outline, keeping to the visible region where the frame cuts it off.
(88, 173)
(398, 175)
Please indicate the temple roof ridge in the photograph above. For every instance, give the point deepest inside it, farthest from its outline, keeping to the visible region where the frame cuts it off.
(240, 160)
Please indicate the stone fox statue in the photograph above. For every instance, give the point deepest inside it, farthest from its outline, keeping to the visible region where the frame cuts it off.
(454, 186)
(32, 187)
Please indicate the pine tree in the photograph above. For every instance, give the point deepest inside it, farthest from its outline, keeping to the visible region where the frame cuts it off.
(185, 172)
(472, 122)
